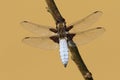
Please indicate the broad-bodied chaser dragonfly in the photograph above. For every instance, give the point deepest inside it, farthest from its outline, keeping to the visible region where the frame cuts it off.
(51, 38)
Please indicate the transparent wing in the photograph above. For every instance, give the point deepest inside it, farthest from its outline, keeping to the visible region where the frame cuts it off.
(88, 35)
(85, 22)
(40, 42)
(37, 29)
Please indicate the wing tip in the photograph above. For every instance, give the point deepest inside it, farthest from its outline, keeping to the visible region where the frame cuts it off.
(26, 37)
(25, 21)
(98, 12)
(101, 28)
(23, 40)
(22, 22)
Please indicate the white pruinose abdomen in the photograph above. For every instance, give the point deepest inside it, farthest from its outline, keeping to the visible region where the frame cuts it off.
(63, 51)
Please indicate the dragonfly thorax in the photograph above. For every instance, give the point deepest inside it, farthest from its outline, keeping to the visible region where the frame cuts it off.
(61, 28)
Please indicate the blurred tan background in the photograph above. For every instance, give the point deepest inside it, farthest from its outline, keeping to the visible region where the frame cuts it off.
(19, 61)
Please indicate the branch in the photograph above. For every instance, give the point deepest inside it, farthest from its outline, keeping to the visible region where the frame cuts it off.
(79, 61)
(72, 46)
(54, 11)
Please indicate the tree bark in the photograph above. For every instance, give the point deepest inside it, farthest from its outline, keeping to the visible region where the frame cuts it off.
(52, 8)
(76, 57)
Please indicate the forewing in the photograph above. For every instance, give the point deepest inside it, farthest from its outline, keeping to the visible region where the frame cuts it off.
(88, 35)
(85, 22)
(44, 43)
(40, 30)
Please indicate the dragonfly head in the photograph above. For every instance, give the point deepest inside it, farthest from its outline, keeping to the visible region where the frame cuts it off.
(60, 25)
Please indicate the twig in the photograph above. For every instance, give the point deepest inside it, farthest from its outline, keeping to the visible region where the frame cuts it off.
(72, 46)
(52, 8)
(78, 60)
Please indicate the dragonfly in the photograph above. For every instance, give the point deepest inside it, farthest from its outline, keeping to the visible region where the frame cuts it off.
(50, 38)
